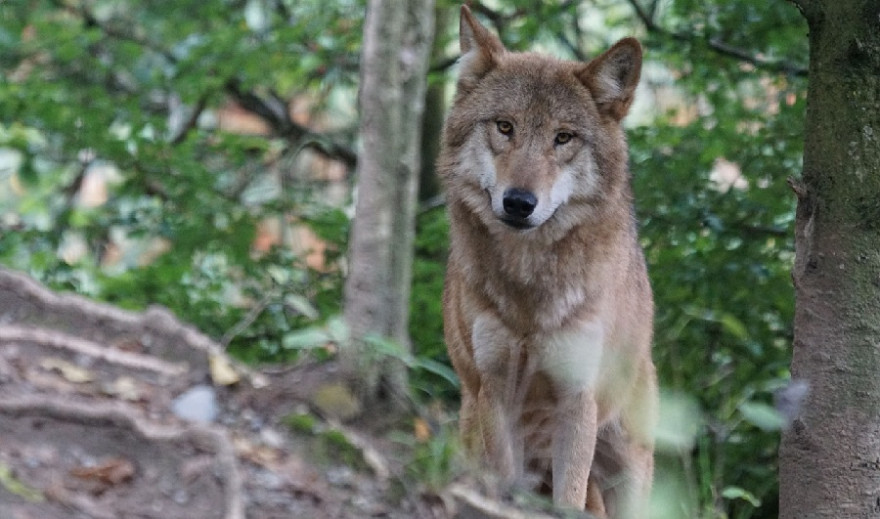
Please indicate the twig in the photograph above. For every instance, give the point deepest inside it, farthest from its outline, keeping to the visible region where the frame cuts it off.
(191, 121)
(472, 503)
(247, 320)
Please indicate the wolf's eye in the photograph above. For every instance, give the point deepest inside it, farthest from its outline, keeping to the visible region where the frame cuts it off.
(505, 127)
(563, 138)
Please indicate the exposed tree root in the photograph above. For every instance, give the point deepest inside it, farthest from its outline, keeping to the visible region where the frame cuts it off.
(64, 341)
(24, 302)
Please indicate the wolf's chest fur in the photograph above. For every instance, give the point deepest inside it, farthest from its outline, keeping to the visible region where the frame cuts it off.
(532, 282)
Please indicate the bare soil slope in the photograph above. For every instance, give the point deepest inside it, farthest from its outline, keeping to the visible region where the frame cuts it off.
(88, 428)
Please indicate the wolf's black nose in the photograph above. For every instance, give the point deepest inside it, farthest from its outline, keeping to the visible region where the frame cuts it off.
(519, 203)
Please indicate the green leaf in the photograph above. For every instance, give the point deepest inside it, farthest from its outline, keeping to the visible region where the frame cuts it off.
(301, 305)
(680, 420)
(306, 339)
(734, 326)
(441, 370)
(15, 486)
(388, 348)
(301, 422)
(740, 493)
(337, 329)
(762, 415)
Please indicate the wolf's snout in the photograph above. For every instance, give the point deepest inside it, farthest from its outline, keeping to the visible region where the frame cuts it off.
(519, 203)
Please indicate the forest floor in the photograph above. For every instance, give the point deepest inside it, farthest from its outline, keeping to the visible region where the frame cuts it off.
(110, 414)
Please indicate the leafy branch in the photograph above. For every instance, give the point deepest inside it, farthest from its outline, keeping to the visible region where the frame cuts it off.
(272, 109)
(647, 17)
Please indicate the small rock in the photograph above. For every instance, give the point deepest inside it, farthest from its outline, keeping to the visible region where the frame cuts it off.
(341, 476)
(181, 497)
(336, 401)
(269, 480)
(197, 404)
(272, 438)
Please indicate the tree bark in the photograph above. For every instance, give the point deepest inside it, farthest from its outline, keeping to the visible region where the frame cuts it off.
(394, 61)
(830, 457)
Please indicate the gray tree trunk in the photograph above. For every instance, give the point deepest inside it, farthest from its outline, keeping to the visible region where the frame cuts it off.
(830, 457)
(394, 62)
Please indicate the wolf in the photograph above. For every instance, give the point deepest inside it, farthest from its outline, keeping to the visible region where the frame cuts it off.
(548, 311)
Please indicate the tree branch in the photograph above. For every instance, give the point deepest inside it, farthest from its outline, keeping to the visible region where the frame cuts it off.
(91, 21)
(574, 46)
(499, 20)
(809, 9)
(273, 110)
(741, 227)
(578, 36)
(720, 47)
(191, 122)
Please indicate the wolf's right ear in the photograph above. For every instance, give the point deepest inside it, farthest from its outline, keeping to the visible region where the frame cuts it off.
(480, 49)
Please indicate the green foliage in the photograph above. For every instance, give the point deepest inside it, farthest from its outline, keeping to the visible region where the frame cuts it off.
(426, 306)
(325, 443)
(302, 423)
(129, 92)
(720, 262)
(421, 366)
(433, 462)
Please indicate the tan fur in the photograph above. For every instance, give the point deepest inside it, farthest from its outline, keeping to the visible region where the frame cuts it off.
(549, 324)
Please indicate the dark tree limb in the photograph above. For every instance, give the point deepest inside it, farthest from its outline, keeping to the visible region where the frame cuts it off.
(716, 44)
(273, 110)
(191, 121)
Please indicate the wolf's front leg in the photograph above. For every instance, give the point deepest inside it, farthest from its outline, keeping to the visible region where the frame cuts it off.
(572, 360)
(496, 353)
(635, 447)
(501, 443)
(574, 444)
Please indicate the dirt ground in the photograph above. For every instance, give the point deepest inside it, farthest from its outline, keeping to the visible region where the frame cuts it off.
(91, 427)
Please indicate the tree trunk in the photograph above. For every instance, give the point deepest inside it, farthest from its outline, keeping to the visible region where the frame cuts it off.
(397, 39)
(432, 123)
(830, 457)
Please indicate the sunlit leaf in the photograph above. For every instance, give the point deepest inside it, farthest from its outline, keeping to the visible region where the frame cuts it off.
(739, 493)
(761, 415)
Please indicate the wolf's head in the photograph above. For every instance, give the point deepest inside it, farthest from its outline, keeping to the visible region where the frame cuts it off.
(532, 139)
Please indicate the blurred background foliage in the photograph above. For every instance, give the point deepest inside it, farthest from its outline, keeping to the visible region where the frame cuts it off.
(199, 155)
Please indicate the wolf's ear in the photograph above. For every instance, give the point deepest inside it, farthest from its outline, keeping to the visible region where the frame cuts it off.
(613, 76)
(480, 49)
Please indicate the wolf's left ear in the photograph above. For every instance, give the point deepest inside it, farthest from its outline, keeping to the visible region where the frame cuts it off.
(613, 77)
(480, 49)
